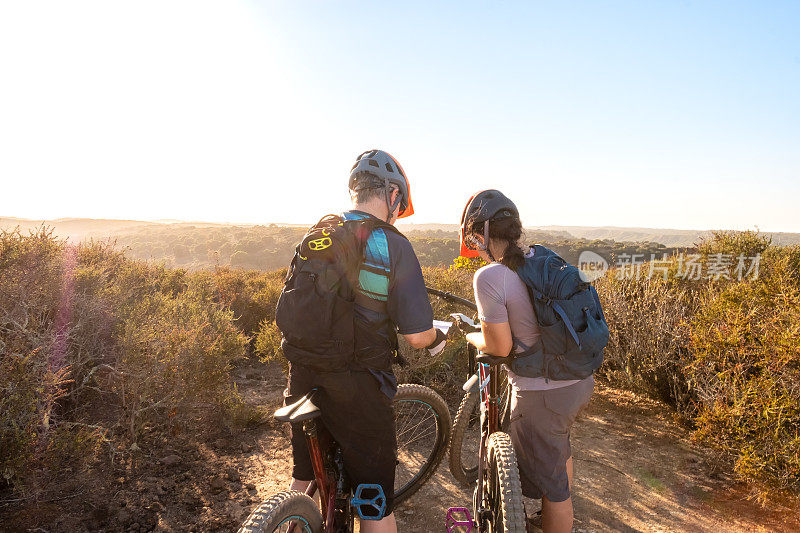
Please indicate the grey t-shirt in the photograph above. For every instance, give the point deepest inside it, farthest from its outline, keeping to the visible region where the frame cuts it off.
(502, 297)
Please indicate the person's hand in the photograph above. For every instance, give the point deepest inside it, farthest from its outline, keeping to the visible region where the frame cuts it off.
(438, 344)
(464, 324)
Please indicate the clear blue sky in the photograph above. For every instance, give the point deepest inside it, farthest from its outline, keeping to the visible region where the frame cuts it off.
(658, 114)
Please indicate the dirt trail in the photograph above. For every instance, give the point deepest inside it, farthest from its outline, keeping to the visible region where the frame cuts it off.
(635, 470)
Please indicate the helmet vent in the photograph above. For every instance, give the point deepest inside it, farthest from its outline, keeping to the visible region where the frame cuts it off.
(373, 163)
(389, 167)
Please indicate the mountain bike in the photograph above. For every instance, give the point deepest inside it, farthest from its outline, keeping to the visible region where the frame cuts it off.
(422, 424)
(484, 413)
(463, 456)
(465, 437)
(497, 504)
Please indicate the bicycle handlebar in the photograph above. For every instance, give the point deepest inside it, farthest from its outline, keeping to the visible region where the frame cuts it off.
(452, 298)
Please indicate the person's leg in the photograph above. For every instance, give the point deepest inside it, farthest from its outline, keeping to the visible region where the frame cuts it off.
(363, 425)
(386, 525)
(300, 382)
(522, 411)
(556, 516)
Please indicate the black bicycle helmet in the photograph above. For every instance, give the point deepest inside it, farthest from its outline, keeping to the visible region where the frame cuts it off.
(377, 169)
(484, 207)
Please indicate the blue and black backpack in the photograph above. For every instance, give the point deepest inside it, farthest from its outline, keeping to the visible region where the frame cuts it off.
(573, 327)
(334, 268)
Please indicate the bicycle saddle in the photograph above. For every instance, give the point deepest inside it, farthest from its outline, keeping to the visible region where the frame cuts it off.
(491, 360)
(302, 409)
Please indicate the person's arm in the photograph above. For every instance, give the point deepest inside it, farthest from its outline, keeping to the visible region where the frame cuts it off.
(494, 339)
(408, 303)
(495, 335)
(422, 339)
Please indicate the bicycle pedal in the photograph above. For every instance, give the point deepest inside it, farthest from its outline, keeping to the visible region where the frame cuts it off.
(369, 508)
(454, 520)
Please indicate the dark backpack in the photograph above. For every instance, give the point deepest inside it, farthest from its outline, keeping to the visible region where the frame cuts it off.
(315, 311)
(573, 327)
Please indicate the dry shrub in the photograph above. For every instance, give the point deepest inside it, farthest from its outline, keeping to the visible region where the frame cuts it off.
(725, 353)
(649, 334)
(28, 392)
(174, 352)
(268, 343)
(250, 294)
(745, 373)
(96, 346)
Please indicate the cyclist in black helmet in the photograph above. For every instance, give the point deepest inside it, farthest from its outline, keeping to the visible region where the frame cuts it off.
(542, 410)
(390, 298)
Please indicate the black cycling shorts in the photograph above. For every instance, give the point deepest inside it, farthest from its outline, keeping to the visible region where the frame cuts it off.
(358, 415)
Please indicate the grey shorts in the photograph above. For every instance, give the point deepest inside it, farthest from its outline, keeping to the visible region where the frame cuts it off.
(540, 424)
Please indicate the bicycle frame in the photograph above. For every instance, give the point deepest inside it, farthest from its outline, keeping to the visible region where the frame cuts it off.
(489, 424)
(333, 499)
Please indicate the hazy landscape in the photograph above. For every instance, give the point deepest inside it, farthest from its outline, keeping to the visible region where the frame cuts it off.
(200, 245)
(79, 229)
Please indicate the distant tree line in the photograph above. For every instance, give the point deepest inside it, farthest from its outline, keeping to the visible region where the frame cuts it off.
(271, 247)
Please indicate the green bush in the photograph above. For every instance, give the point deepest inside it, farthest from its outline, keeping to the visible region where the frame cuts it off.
(268, 343)
(745, 370)
(174, 352)
(725, 353)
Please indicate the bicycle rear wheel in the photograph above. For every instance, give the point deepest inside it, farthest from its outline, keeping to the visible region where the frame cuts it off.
(466, 435)
(465, 439)
(283, 510)
(422, 425)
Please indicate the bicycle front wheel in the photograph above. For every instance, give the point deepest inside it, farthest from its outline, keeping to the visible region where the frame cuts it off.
(282, 511)
(503, 487)
(422, 425)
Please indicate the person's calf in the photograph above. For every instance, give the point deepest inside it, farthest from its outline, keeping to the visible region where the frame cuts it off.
(385, 525)
(556, 516)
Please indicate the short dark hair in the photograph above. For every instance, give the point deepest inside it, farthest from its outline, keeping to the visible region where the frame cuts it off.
(367, 187)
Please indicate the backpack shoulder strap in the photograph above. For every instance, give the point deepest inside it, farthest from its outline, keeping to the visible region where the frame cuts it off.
(373, 278)
(327, 220)
(371, 222)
